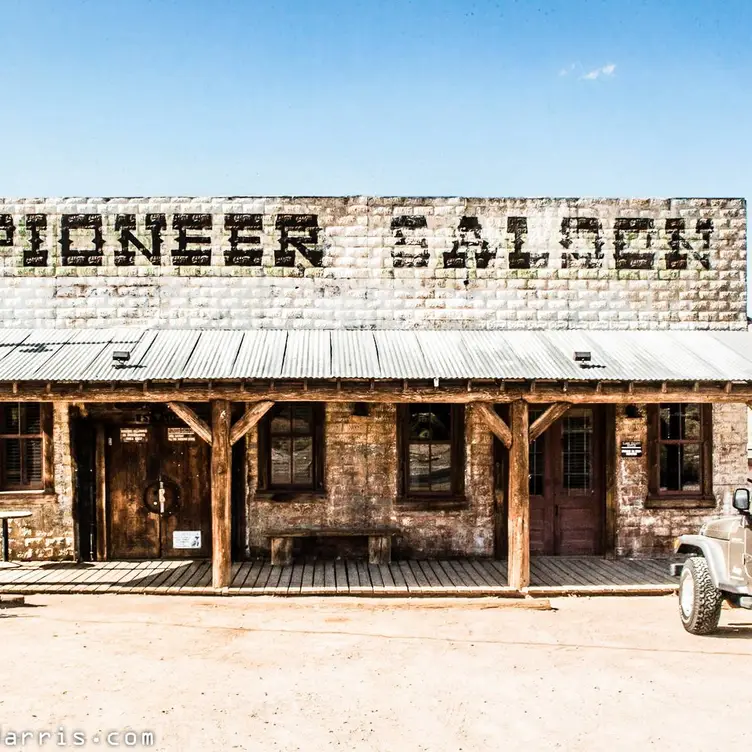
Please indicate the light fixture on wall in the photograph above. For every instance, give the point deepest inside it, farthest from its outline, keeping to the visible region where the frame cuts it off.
(632, 411)
(120, 358)
(360, 409)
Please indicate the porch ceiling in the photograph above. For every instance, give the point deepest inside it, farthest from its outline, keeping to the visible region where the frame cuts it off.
(86, 355)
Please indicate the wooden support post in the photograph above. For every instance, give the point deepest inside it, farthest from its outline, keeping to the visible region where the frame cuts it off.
(101, 485)
(379, 549)
(251, 417)
(281, 551)
(545, 421)
(221, 508)
(495, 423)
(186, 414)
(519, 498)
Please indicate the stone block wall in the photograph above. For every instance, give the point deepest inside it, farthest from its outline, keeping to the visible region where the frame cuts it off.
(643, 531)
(370, 262)
(49, 532)
(361, 488)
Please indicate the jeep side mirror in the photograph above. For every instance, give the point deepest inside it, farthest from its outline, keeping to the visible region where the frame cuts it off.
(741, 499)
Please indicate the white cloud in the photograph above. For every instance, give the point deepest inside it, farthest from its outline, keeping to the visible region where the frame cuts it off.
(566, 71)
(605, 71)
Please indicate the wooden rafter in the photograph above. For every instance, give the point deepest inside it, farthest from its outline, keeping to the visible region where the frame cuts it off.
(499, 428)
(249, 420)
(189, 416)
(549, 417)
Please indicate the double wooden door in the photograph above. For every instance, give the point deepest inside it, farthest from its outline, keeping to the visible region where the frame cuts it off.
(158, 491)
(567, 495)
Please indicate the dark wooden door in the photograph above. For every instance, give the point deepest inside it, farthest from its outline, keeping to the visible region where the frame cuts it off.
(567, 496)
(139, 458)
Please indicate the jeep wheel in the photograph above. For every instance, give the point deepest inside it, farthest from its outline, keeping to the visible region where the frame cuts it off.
(699, 600)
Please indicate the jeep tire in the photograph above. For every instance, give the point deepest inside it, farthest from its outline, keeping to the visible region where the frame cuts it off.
(699, 600)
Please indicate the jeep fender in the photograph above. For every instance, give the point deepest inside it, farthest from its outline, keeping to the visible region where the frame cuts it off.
(711, 549)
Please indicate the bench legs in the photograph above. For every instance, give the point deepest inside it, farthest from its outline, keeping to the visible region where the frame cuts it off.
(379, 549)
(281, 551)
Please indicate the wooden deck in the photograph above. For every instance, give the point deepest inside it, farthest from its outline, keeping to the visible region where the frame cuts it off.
(446, 577)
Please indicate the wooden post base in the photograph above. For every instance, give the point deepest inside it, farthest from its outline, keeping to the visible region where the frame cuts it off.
(281, 551)
(379, 549)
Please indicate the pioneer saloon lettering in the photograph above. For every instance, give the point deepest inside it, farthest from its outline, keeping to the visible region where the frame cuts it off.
(300, 241)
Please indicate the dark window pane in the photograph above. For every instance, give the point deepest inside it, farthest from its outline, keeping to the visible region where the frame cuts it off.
(281, 449)
(33, 461)
(537, 466)
(281, 420)
(302, 420)
(441, 422)
(690, 468)
(680, 467)
(441, 467)
(11, 413)
(31, 418)
(680, 421)
(302, 462)
(577, 438)
(12, 461)
(420, 467)
(420, 422)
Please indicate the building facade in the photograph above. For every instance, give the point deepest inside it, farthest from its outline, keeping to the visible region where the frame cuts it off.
(383, 432)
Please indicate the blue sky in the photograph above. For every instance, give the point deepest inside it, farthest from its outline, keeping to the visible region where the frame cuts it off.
(198, 97)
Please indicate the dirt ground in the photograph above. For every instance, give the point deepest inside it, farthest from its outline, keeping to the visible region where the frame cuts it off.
(369, 674)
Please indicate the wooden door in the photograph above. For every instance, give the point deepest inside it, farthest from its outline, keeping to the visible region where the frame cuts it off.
(567, 496)
(142, 460)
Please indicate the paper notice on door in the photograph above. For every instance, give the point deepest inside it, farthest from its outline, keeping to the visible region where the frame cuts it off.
(180, 434)
(186, 539)
(138, 435)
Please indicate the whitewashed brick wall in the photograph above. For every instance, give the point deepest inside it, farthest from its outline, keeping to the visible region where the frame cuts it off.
(360, 282)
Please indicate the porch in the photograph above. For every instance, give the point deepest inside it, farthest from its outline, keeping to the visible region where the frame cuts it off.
(549, 576)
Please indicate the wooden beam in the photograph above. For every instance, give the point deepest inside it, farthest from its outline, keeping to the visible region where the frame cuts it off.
(249, 420)
(361, 391)
(545, 421)
(186, 414)
(221, 505)
(100, 475)
(519, 499)
(498, 427)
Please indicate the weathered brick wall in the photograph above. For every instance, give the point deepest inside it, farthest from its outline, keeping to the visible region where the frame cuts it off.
(644, 531)
(361, 488)
(374, 262)
(48, 533)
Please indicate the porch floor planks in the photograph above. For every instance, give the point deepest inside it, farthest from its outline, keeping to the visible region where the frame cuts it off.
(283, 584)
(450, 577)
(340, 577)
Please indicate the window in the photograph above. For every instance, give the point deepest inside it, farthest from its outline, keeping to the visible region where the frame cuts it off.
(577, 450)
(432, 441)
(680, 437)
(21, 447)
(291, 447)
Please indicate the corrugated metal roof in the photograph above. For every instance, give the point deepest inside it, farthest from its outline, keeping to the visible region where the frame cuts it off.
(76, 355)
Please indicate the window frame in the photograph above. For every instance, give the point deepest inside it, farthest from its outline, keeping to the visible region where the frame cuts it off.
(291, 492)
(657, 497)
(455, 496)
(45, 482)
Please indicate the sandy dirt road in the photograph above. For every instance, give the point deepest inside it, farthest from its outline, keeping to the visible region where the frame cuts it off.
(369, 674)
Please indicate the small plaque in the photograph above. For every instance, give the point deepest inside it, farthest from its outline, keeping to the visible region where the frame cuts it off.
(134, 435)
(631, 449)
(186, 539)
(181, 434)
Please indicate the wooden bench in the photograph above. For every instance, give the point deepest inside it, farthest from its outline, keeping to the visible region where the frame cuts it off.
(379, 541)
